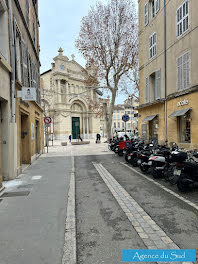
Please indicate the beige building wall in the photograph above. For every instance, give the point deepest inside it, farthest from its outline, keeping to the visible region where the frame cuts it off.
(29, 114)
(6, 161)
(175, 47)
(119, 110)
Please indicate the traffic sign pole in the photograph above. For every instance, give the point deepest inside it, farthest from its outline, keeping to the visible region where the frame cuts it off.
(47, 121)
(125, 118)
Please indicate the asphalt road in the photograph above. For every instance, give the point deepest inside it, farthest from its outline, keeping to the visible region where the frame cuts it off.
(32, 221)
(103, 229)
(32, 227)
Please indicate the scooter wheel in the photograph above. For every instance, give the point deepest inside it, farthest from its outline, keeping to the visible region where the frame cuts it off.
(120, 153)
(155, 174)
(126, 158)
(134, 162)
(182, 186)
(143, 168)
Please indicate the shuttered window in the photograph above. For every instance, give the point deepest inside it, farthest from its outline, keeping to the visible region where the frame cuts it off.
(146, 14)
(157, 92)
(24, 63)
(155, 7)
(152, 46)
(183, 71)
(182, 18)
(147, 92)
(27, 12)
(18, 57)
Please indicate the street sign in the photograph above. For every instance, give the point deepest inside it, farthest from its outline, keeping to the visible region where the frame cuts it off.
(125, 118)
(28, 94)
(47, 120)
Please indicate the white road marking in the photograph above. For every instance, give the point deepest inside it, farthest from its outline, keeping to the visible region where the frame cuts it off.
(69, 251)
(38, 177)
(164, 188)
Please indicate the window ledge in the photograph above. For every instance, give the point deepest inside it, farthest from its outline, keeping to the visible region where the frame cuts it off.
(4, 63)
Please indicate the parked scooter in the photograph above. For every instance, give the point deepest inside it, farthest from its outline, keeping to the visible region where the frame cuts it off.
(188, 179)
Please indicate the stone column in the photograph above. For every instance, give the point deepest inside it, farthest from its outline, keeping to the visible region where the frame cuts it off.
(66, 90)
(59, 91)
(83, 119)
(87, 126)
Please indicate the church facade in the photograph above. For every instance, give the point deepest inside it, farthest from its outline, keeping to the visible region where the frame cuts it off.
(67, 99)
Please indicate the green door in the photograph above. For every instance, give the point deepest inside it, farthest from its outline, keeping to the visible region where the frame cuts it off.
(75, 127)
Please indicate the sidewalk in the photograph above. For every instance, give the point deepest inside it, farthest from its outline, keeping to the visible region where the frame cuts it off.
(79, 150)
(33, 211)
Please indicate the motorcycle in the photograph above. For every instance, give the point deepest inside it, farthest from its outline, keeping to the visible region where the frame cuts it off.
(188, 178)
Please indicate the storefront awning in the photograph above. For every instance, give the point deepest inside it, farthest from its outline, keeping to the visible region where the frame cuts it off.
(149, 118)
(180, 112)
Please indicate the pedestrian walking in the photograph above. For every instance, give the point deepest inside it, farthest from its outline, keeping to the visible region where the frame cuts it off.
(70, 138)
(98, 138)
(79, 137)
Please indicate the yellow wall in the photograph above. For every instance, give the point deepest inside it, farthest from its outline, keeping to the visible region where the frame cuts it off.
(26, 148)
(173, 134)
(172, 123)
(157, 109)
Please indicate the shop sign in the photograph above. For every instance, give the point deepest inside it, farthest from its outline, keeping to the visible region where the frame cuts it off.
(181, 103)
(28, 94)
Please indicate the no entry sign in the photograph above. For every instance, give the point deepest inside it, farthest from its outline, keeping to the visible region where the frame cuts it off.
(47, 120)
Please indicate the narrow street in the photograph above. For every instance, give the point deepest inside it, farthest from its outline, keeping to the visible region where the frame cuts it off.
(116, 208)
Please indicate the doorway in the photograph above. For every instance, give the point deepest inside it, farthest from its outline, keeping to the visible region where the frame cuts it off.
(153, 129)
(37, 137)
(75, 127)
(25, 145)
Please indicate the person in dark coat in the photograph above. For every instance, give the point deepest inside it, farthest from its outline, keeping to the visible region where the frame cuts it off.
(97, 138)
(70, 138)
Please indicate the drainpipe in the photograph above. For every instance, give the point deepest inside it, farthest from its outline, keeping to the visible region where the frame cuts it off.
(12, 53)
(165, 74)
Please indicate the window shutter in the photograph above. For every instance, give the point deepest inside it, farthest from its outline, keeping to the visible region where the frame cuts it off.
(24, 63)
(157, 84)
(179, 73)
(157, 5)
(185, 70)
(146, 14)
(147, 90)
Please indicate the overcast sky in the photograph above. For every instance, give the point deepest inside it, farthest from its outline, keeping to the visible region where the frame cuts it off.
(59, 27)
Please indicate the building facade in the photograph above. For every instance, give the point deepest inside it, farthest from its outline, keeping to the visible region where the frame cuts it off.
(29, 114)
(168, 71)
(5, 70)
(128, 108)
(67, 100)
(21, 126)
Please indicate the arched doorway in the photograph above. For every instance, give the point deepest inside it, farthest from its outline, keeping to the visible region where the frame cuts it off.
(78, 119)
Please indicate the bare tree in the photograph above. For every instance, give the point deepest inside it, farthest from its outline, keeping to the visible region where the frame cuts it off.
(108, 39)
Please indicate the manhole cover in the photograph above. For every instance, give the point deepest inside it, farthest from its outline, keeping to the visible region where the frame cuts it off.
(25, 186)
(13, 194)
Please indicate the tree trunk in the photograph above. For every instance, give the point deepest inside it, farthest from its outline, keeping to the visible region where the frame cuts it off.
(108, 116)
